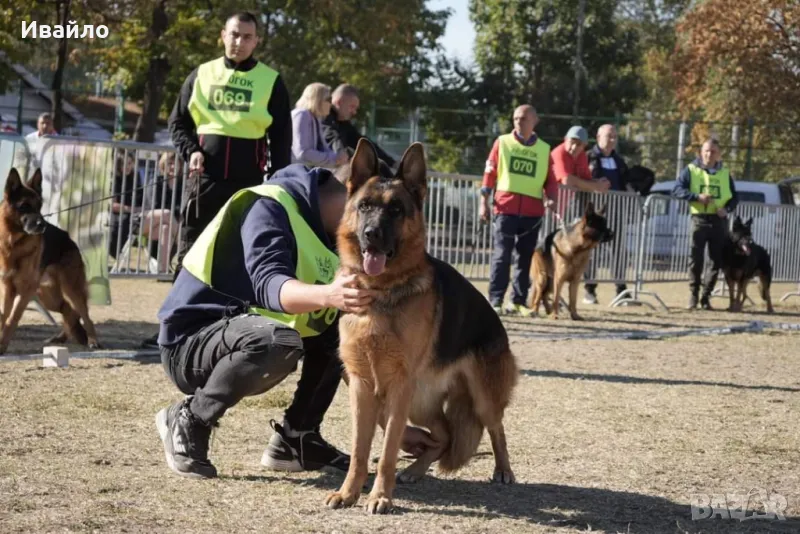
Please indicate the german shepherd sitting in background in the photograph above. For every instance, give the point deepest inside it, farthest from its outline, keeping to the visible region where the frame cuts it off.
(430, 349)
(563, 258)
(742, 260)
(39, 258)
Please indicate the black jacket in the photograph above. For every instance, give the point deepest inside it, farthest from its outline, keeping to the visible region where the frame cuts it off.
(341, 135)
(597, 170)
(230, 158)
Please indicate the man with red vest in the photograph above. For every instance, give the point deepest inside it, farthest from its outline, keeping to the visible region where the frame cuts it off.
(519, 172)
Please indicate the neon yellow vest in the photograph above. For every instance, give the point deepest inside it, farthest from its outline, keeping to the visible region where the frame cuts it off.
(232, 103)
(717, 185)
(316, 264)
(522, 169)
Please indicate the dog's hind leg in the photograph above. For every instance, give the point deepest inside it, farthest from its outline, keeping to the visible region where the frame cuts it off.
(77, 299)
(437, 424)
(558, 283)
(731, 289)
(72, 325)
(764, 280)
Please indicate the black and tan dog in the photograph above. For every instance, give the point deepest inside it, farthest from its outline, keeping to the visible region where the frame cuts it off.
(743, 260)
(430, 350)
(37, 258)
(563, 258)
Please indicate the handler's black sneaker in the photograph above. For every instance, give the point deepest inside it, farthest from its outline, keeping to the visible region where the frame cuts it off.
(307, 451)
(185, 441)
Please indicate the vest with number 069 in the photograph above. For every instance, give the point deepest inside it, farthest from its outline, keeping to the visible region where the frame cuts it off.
(522, 169)
(316, 263)
(718, 185)
(230, 102)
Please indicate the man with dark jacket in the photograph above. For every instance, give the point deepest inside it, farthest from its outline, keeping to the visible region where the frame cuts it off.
(605, 162)
(708, 186)
(226, 111)
(340, 133)
(258, 291)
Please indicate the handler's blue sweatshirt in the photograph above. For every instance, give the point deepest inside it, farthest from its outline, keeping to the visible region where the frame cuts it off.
(249, 270)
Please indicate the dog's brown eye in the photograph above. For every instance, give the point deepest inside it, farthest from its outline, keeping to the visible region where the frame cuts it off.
(23, 208)
(395, 210)
(364, 206)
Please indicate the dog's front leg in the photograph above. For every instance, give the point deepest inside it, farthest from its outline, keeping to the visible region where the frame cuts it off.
(20, 302)
(573, 300)
(364, 414)
(397, 406)
(558, 283)
(731, 291)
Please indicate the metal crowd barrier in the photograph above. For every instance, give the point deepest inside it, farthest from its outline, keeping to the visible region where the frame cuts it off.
(119, 200)
(14, 152)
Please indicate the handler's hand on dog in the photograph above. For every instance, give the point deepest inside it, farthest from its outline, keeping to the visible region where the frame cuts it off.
(416, 441)
(348, 298)
(196, 163)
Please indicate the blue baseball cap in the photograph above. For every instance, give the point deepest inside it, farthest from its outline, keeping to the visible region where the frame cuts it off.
(578, 132)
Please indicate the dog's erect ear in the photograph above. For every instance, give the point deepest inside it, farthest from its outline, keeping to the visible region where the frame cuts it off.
(749, 222)
(602, 211)
(13, 183)
(589, 210)
(737, 221)
(414, 172)
(35, 182)
(363, 166)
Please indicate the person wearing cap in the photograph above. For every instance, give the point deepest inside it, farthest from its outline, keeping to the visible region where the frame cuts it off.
(520, 174)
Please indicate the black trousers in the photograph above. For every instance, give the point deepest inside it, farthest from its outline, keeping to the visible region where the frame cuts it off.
(249, 354)
(512, 233)
(710, 231)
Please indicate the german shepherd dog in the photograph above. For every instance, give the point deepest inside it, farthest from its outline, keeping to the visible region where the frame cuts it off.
(563, 258)
(37, 258)
(743, 260)
(430, 349)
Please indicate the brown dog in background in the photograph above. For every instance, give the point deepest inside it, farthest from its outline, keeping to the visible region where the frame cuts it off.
(430, 349)
(563, 258)
(37, 258)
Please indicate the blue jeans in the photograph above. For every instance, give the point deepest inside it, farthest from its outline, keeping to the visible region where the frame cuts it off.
(518, 234)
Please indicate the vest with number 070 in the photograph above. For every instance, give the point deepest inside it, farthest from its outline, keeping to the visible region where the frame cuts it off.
(522, 169)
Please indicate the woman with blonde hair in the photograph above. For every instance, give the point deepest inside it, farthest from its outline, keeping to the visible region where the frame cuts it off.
(308, 139)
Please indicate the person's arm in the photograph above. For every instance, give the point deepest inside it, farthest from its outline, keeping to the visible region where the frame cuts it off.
(182, 128)
(730, 206)
(681, 191)
(304, 141)
(268, 244)
(490, 171)
(280, 131)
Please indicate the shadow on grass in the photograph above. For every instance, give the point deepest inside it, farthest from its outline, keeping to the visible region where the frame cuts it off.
(556, 506)
(641, 380)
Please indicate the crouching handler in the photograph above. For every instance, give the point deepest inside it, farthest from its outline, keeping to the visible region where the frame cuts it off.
(258, 291)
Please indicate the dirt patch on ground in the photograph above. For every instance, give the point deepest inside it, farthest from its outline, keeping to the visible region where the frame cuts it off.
(607, 435)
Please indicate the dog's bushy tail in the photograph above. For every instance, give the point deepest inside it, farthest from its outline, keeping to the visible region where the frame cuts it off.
(464, 427)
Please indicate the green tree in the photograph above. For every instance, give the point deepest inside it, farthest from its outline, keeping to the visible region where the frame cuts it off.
(525, 51)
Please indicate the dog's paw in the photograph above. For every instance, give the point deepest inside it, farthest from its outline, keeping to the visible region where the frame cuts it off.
(337, 499)
(503, 476)
(94, 345)
(575, 317)
(407, 476)
(379, 505)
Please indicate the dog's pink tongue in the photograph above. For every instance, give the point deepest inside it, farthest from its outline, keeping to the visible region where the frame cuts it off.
(374, 264)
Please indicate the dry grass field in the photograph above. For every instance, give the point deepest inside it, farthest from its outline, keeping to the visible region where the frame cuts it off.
(607, 435)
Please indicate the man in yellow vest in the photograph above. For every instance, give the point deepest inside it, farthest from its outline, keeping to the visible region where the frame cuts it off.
(708, 186)
(258, 290)
(520, 174)
(225, 112)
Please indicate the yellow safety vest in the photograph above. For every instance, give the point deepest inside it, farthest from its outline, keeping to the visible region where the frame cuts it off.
(717, 185)
(230, 102)
(316, 264)
(522, 169)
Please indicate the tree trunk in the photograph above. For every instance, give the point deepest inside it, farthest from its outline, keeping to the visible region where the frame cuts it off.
(61, 63)
(576, 97)
(157, 72)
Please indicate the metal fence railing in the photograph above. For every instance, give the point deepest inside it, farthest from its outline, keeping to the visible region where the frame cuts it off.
(120, 202)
